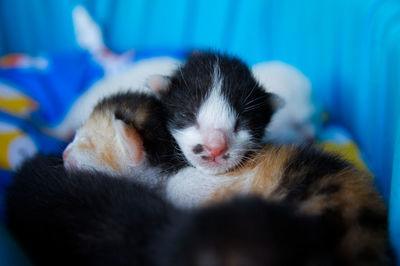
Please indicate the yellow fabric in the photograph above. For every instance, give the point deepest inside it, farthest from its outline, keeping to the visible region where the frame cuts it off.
(5, 139)
(17, 105)
(348, 151)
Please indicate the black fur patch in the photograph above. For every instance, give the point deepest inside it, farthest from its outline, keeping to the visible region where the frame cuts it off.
(332, 219)
(371, 219)
(247, 231)
(83, 218)
(308, 165)
(330, 189)
(198, 149)
(367, 255)
(191, 84)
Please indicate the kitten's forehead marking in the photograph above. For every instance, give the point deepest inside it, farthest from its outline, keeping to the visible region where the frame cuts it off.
(216, 111)
(99, 125)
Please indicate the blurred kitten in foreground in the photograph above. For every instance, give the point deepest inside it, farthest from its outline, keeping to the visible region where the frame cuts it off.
(89, 218)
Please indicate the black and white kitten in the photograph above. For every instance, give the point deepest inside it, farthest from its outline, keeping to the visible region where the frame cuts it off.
(216, 110)
(212, 105)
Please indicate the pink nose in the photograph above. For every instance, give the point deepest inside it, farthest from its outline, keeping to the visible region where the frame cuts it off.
(216, 151)
(69, 161)
(66, 152)
(216, 142)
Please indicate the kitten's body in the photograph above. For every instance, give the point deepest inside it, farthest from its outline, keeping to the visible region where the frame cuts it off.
(88, 218)
(296, 121)
(315, 182)
(248, 232)
(83, 218)
(132, 79)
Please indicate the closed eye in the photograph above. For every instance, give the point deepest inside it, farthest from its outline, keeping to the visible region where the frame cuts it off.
(236, 127)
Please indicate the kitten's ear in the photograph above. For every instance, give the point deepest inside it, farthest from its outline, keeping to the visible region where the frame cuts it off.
(159, 84)
(131, 141)
(277, 101)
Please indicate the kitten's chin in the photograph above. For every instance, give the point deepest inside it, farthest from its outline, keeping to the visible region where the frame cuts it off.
(213, 167)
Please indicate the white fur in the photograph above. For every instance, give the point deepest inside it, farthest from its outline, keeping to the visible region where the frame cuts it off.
(292, 123)
(88, 33)
(190, 188)
(84, 159)
(216, 112)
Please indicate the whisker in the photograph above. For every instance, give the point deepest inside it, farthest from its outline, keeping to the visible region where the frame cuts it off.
(254, 100)
(252, 107)
(183, 77)
(248, 95)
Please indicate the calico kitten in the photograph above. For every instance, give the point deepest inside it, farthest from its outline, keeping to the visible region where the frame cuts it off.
(88, 218)
(83, 218)
(126, 134)
(314, 182)
(216, 110)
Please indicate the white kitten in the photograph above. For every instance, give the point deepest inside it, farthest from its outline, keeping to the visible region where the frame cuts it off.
(292, 123)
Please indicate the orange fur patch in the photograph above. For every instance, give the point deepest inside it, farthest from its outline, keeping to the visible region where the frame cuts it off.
(135, 143)
(272, 161)
(259, 175)
(89, 145)
(108, 158)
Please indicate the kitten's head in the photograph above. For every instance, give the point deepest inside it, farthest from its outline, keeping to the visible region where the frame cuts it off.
(217, 111)
(121, 135)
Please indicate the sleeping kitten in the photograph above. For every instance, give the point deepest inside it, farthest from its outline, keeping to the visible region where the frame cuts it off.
(216, 110)
(83, 218)
(314, 182)
(126, 134)
(88, 218)
(296, 121)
